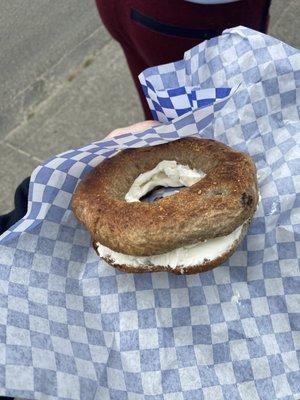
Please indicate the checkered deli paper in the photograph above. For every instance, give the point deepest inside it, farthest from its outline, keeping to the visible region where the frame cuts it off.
(72, 327)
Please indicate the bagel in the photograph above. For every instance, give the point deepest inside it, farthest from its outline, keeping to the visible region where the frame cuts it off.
(212, 211)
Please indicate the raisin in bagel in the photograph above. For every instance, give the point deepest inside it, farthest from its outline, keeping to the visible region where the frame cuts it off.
(136, 236)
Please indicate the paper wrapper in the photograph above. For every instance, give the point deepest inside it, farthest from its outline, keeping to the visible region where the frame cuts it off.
(72, 327)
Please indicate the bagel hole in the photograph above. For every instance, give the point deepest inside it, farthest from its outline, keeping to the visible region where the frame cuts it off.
(159, 193)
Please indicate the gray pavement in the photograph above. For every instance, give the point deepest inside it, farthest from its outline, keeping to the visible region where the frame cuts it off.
(41, 41)
(65, 83)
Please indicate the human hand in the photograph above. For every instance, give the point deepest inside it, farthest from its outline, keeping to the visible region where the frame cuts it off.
(138, 127)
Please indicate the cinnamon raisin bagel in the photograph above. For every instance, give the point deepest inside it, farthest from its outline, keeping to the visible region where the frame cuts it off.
(218, 206)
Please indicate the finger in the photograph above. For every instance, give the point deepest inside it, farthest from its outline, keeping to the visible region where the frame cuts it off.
(138, 127)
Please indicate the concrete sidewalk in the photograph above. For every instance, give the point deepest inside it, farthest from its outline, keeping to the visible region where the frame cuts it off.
(63, 93)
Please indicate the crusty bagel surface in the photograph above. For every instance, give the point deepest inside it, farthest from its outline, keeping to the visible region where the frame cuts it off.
(215, 206)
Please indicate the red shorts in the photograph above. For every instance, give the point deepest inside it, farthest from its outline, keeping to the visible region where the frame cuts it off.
(153, 32)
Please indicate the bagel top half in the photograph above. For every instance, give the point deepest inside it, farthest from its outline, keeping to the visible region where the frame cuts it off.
(214, 206)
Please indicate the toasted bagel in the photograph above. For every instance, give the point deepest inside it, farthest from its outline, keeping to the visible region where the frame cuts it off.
(215, 206)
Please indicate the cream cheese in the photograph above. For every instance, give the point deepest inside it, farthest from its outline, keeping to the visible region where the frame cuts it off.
(167, 174)
(186, 256)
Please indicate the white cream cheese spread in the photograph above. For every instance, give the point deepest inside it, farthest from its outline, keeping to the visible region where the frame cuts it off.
(166, 173)
(186, 256)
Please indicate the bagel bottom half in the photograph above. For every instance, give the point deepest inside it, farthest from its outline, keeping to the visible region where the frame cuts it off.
(187, 260)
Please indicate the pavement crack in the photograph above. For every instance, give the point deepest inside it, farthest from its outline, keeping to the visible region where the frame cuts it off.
(66, 55)
(23, 152)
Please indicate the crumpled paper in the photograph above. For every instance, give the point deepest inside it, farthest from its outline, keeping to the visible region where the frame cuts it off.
(72, 327)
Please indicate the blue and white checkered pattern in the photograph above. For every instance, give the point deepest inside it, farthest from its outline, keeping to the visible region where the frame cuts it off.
(72, 327)
(168, 102)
